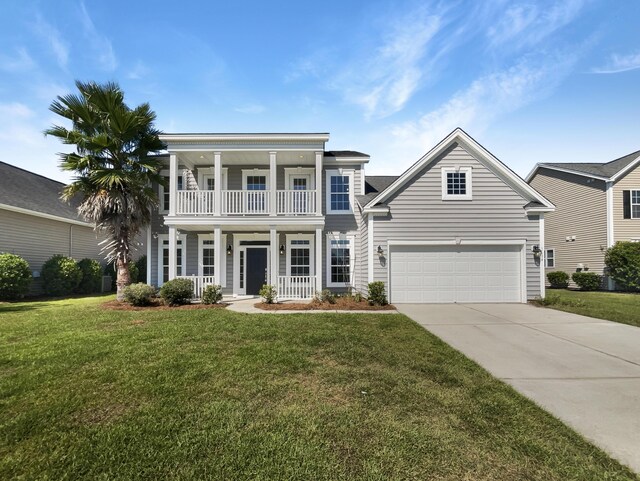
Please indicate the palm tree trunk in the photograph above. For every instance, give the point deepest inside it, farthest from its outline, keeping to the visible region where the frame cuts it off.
(123, 277)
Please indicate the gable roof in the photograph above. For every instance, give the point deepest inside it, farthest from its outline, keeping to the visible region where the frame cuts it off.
(31, 193)
(607, 171)
(459, 136)
(373, 185)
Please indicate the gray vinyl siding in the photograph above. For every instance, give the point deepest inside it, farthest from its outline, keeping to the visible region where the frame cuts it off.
(581, 211)
(37, 239)
(625, 229)
(496, 212)
(362, 284)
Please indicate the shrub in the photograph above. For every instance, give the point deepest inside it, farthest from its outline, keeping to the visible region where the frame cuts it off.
(268, 293)
(212, 294)
(15, 277)
(324, 296)
(61, 276)
(558, 279)
(554, 299)
(377, 294)
(587, 281)
(141, 265)
(357, 297)
(91, 276)
(177, 292)
(623, 264)
(139, 294)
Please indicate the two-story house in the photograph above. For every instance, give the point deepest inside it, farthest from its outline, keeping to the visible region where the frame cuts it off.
(242, 210)
(598, 204)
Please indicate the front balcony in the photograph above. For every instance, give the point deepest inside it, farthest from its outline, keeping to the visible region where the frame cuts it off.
(246, 202)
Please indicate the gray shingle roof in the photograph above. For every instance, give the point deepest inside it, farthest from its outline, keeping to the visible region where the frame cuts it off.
(26, 190)
(344, 153)
(373, 185)
(606, 169)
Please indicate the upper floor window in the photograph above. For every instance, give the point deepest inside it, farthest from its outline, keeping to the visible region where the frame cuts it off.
(631, 204)
(456, 183)
(339, 191)
(549, 258)
(165, 193)
(635, 204)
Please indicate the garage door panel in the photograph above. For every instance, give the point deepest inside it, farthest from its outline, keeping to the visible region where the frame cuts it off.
(445, 274)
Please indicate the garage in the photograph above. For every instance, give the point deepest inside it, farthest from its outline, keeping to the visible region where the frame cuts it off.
(456, 273)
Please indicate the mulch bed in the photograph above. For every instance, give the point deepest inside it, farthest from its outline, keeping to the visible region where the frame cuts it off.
(340, 305)
(158, 305)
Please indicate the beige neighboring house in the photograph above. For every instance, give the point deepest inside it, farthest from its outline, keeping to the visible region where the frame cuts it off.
(36, 224)
(597, 205)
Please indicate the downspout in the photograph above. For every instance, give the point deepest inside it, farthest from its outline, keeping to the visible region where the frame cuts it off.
(610, 233)
(71, 240)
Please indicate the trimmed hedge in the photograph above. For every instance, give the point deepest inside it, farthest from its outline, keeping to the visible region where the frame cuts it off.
(177, 292)
(212, 294)
(623, 263)
(558, 279)
(60, 275)
(587, 281)
(15, 277)
(139, 294)
(377, 295)
(91, 280)
(268, 293)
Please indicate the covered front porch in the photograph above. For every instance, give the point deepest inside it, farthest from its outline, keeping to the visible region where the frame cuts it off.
(243, 258)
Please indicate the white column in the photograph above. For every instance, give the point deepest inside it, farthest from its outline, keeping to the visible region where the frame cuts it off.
(370, 248)
(543, 257)
(273, 179)
(275, 252)
(218, 252)
(217, 191)
(149, 238)
(319, 182)
(173, 182)
(318, 259)
(173, 252)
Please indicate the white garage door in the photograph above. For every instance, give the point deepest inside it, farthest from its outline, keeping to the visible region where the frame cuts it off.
(430, 274)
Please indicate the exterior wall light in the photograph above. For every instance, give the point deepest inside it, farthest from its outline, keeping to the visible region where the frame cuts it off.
(229, 250)
(536, 251)
(379, 251)
(281, 249)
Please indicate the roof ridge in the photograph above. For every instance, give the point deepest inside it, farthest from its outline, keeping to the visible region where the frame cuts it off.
(622, 157)
(33, 173)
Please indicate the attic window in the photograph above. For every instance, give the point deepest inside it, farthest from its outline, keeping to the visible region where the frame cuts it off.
(456, 183)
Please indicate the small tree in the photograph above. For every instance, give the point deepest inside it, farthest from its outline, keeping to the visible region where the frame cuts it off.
(91, 276)
(623, 263)
(113, 170)
(15, 277)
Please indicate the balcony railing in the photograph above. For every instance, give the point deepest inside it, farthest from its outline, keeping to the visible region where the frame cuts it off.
(194, 202)
(296, 202)
(199, 283)
(296, 287)
(246, 202)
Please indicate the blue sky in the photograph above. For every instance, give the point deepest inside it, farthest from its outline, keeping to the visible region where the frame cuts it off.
(532, 81)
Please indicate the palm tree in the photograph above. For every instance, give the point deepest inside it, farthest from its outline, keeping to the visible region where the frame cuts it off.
(112, 166)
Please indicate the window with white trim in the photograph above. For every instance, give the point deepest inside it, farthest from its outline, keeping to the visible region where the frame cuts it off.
(163, 257)
(635, 204)
(164, 194)
(456, 183)
(549, 258)
(340, 253)
(340, 191)
(300, 255)
(207, 259)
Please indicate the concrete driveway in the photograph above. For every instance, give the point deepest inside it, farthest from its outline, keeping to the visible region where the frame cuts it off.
(585, 371)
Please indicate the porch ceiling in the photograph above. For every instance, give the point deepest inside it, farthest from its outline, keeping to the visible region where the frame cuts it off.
(226, 229)
(205, 158)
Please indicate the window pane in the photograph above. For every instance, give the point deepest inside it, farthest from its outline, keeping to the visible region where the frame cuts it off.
(300, 184)
(340, 261)
(256, 182)
(211, 183)
(208, 261)
(339, 193)
(300, 261)
(456, 183)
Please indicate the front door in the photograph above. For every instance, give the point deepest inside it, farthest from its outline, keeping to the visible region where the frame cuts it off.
(256, 269)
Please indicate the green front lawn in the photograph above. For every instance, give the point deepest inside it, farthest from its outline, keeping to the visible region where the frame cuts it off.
(613, 306)
(88, 393)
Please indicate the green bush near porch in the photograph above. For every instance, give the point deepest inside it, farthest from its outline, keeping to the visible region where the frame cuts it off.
(177, 292)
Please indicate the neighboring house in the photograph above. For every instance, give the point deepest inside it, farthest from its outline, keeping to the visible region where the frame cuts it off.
(242, 210)
(36, 224)
(597, 205)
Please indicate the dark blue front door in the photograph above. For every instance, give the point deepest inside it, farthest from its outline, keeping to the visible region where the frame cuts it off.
(256, 269)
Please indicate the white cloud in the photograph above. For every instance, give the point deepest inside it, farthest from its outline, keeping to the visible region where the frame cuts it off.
(485, 100)
(383, 82)
(139, 71)
(16, 110)
(100, 44)
(22, 61)
(52, 36)
(527, 24)
(251, 109)
(620, 63)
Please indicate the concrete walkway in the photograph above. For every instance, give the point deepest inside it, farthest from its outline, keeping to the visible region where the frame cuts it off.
(585, 371)
(247, 306)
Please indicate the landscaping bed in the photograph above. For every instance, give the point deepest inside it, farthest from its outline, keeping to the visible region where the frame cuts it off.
(340, 304)
(157, 305)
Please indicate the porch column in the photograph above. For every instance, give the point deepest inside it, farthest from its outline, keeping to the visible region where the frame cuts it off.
(217, 190)
(218, 251)
(173, 252)
(273, 178)
(319, 182)
(275, 250)
(173, 182)
(318, 259)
